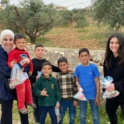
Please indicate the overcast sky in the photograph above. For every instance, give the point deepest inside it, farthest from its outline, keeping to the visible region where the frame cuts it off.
(70, 4)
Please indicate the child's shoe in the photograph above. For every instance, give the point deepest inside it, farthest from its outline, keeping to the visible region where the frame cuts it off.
(33, 105)
(23, 111)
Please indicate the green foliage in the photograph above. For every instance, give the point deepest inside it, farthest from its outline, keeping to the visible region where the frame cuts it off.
(67, 17)
(33, 17)
(4, 2)
(109, 11)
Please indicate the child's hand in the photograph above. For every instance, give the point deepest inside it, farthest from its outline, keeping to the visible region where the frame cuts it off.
(44, 92)
(12, 63)
(30, 73)
(37, 77)
(75, 103)
(79, 88)
(70, 69)
(27, 60)
(57, 105)
(97, 101)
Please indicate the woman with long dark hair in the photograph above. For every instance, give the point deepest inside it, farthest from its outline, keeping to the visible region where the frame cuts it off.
(114, 67)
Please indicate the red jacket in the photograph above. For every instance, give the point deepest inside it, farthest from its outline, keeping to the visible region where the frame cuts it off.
(17, 55)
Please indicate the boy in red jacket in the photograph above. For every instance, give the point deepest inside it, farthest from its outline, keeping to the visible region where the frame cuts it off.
(22, 58)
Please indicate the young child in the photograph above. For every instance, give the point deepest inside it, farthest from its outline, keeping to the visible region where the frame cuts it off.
(47, 90)
(37, 65)
(87, 78)
(68, 89)
(22, 58)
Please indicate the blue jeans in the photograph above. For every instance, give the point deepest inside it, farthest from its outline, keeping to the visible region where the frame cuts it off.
(43, 113)
(83, 110)
(72, 112)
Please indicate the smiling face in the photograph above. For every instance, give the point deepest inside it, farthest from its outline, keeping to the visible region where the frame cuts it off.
(114, 46)
(39, 52)
(46, 70)
(84, 57)
(63, 66)
(7, 42)
(20, 43)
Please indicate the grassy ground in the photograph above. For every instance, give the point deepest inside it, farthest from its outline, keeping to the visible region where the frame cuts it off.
(103, 116)
(93, 37)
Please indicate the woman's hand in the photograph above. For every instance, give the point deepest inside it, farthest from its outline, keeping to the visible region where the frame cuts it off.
(12, 63)
(111, 87)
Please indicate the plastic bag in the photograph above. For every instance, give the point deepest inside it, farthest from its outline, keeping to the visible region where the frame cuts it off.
(57, 114)
(105, 82)
(80, 96)
(39, 73)
(17, 76)
(111, 94)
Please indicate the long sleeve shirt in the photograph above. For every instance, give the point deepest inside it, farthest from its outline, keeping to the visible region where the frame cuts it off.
(5, 71)
(37, 65)
(17, 55)
(51, 86)
(117, 73)
(67, 85)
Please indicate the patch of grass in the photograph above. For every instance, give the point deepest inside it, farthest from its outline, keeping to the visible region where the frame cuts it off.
(42, 40)
(103, 116)
(82, 31)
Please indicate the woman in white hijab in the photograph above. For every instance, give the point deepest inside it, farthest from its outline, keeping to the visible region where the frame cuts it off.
(6, 96)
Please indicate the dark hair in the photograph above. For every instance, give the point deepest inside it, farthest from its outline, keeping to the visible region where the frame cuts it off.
(109, 53)
(83, 50)
(19, 36)
(39, 45)
(62, 59)
(46, 63)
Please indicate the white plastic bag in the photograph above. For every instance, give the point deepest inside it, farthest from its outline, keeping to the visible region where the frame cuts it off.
(80, 96)
(39, 73)
(57, 114)
(105, 82)
(17, 76)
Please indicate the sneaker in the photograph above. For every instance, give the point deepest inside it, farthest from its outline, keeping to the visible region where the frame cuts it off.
(32, 105)
(23, 111)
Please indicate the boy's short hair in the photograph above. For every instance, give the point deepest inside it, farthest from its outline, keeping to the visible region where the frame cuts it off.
(38, 45)
(19, 36)
(46, 63)
(62, 59)
(83, 50)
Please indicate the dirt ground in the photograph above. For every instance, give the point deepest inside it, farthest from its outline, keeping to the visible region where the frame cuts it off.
(70, 38)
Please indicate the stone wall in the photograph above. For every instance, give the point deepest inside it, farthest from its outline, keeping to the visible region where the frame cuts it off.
(52, 54)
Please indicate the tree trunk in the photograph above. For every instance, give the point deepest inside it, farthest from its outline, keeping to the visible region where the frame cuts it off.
(33, 39)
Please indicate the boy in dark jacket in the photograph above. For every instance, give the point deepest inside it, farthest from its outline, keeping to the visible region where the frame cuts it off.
(37, 64)
(48, 92)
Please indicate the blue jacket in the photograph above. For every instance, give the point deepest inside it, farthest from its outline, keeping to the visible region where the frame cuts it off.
(5, 71)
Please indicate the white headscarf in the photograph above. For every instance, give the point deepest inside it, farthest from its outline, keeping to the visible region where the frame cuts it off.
(3, 33)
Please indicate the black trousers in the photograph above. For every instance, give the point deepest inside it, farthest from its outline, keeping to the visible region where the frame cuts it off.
(6, 117)
(111, 108)
(122, 110)
(36, 110)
